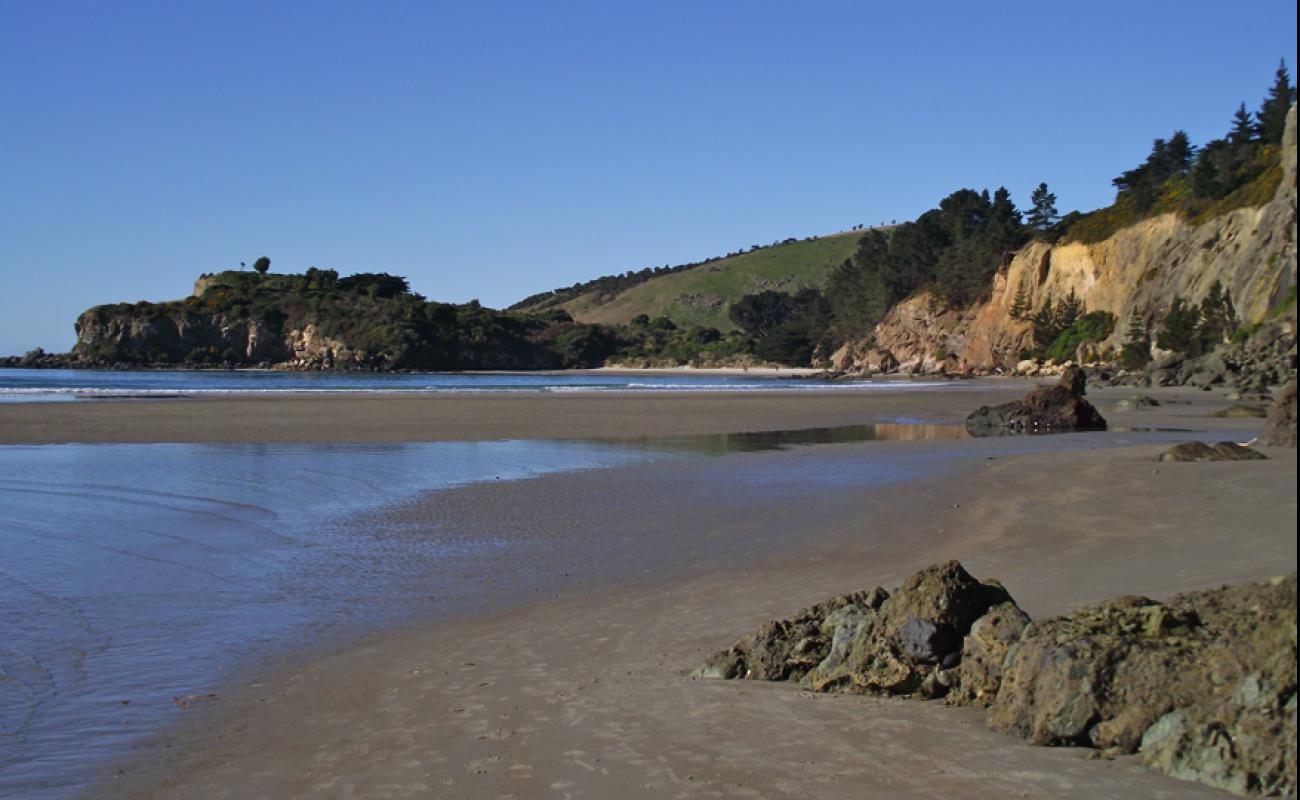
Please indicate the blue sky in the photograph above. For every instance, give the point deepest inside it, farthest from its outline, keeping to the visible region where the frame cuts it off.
(491, 150)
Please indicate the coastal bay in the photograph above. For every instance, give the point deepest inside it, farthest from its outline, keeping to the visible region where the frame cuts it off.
(577, 687)
(448, 401)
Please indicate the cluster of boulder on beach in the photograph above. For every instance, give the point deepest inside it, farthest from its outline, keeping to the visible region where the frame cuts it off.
(1201, 687)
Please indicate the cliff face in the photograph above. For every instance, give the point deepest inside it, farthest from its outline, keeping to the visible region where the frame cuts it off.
(208, 338)
(170, 337)
(1250, 251)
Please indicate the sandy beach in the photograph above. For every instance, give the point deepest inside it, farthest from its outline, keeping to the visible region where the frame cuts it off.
(580, 688)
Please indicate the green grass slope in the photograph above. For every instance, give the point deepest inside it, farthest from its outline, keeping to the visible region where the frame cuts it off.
(702, 295)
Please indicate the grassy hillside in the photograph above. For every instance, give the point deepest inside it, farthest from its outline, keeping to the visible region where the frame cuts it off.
(702, 295)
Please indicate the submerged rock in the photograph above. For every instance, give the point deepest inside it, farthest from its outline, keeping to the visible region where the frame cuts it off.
(1203, 687)
(1048, 410)
(1281, 420)
(1136, 402)
(1241, 411)
(1220, 451)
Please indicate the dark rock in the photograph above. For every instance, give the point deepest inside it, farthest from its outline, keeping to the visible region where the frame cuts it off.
(925, 642)
(1241, 411)
(1074, 380)
(1281, 421)
(1201, 451)
(1047, 410)
(1203, 379)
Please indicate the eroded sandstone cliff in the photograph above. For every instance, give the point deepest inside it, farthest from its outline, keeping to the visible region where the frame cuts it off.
(1251, 252)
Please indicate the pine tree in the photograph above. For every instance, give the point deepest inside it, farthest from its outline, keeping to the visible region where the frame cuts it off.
(1243, 127)
(1045, 330)
(262, 265)
(1207, 178)
(1005, 230)
(1182, 329)
(1043, 215)
(1218, 320)
(1136, 353)
(1272, 114)
(1068, 312)
(1179, 154)
(1020, 305)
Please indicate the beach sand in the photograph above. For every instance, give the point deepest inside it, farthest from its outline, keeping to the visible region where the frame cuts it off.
(582, 691)
(471, 417)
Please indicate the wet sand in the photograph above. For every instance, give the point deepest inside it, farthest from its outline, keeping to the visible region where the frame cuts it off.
(582, 692)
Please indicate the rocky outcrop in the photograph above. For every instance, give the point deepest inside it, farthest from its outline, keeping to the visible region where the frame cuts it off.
(1142, 268)
(1281, 422)
(1054, 409)
(870, 642)
(1201, 451)
(1203, 686)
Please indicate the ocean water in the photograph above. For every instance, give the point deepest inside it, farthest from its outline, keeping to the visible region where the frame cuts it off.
(132, 577)
(25, 385)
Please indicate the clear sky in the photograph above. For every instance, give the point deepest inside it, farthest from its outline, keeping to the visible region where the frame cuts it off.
(491, 150)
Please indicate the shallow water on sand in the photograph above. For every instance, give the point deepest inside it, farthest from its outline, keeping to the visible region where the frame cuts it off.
(131, 576)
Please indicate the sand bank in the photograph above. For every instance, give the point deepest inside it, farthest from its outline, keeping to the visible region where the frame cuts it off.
(582, 691)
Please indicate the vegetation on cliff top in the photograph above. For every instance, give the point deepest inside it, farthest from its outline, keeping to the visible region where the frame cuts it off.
(1241, 170)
